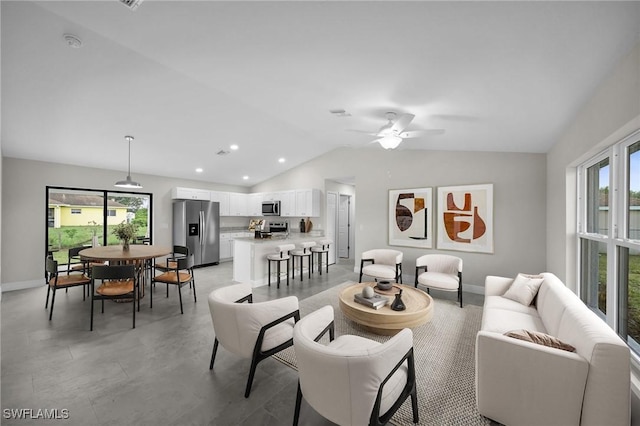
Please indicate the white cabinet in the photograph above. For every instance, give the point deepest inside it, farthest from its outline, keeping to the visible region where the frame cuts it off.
(237, 204)
(308, 202)
(226, 251)
(287, 203)
(223, 199)
(254, 204)
(190, 194)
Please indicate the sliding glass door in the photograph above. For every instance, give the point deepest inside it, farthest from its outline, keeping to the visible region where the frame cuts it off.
(77, 217)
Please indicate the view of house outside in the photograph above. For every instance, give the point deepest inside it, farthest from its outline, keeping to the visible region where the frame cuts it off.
(77, 218)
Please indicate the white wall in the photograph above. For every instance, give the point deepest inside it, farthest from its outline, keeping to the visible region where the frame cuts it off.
(24, 210)
(519, 199)
(610, 115)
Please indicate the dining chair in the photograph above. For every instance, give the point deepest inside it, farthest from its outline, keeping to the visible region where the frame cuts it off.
(251, 330)
(116, 282)
(352, 380)
(179, 272)
(441, 272)
(75, 264)
(55, 281)
(385, 264)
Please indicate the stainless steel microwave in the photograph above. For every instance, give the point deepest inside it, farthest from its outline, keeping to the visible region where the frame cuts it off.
(271, 208)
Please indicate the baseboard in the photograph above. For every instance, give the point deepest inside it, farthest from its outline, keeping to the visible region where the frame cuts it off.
(21, 285)
(410, 279)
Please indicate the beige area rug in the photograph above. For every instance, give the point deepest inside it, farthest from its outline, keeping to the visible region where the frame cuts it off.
(444, 356)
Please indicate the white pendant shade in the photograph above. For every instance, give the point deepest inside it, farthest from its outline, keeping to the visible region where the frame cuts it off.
(128, 182)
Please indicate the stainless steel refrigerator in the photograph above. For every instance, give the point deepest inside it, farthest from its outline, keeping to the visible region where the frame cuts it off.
(196, 224)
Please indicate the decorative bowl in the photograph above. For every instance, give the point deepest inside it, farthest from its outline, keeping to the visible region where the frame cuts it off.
(384, 285)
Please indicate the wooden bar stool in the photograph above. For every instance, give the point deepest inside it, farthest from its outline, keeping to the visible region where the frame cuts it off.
(322, 248)
(281, 255)
(304, 250)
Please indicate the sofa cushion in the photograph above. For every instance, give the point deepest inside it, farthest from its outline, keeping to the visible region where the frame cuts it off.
(524, 288)
(502, 320)
(499, 302)
(540, 339)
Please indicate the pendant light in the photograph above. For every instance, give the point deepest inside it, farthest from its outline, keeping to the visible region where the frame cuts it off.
(128, 183)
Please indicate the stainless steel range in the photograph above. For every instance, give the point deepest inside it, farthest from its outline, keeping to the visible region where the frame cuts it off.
(279, 227)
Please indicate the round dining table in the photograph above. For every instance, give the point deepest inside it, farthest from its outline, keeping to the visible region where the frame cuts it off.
(137, 254)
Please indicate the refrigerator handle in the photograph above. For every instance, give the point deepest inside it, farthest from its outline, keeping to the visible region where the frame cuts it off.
(202, 230)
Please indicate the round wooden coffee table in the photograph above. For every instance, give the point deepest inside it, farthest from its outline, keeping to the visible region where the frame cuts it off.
(385, 320)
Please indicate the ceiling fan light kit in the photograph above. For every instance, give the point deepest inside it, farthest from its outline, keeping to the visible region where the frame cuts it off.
(390, 141)
(128, 182)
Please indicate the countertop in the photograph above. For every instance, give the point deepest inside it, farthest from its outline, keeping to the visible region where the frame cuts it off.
(294, 237)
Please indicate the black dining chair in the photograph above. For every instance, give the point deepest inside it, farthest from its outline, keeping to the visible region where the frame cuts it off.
(116, 282)
(180, 274)
(56, 281)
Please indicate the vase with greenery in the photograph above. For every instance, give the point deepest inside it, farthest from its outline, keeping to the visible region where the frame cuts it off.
(125, 233)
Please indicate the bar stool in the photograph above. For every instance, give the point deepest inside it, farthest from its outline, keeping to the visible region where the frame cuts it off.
(322, 248)
(303, 251)
(281, 254)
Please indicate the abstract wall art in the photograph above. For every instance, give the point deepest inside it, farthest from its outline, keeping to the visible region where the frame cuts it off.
(465, 218)
(411, 217)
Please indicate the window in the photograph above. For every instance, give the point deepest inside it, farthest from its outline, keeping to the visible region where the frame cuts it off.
(609, 235)
(91, 219)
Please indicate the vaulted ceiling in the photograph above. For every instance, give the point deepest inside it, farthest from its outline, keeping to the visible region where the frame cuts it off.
(190, 78)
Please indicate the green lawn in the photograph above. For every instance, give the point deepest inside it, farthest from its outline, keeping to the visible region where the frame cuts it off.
(63, 238)
(633, 321)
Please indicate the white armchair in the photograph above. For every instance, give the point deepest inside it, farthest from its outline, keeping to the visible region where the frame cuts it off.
(441, 271)
(385, 264)
(251, 330)
(352, 380)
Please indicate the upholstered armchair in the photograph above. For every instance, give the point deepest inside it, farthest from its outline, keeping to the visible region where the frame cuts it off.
(352, 380)
(251, 330)
(441, 271)
(385, 264)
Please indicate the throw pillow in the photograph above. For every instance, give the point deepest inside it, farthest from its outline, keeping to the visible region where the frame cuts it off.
(540, 339)
(524, 288)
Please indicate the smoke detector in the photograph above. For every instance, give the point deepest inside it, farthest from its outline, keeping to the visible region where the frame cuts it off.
(72, 40)
(131, 4)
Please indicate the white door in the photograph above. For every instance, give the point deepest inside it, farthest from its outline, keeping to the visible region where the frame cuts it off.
(343, 226)
(332, 215)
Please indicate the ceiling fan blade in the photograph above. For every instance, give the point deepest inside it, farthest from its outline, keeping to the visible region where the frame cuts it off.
(402, 122)
(418, 133)
(363, 132)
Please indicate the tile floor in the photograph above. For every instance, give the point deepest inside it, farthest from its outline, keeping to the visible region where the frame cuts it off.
(157, 373)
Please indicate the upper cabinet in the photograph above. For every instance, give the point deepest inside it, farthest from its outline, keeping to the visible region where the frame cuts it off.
(223, 199)
(287, 203)
(190, 194)
(254, 204)
(308, 202)
(237, 204)
(293, 203)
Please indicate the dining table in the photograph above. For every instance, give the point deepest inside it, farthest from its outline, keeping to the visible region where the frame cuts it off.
(137, 254)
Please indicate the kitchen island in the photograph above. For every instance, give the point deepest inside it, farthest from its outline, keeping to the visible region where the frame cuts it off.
(250, 256)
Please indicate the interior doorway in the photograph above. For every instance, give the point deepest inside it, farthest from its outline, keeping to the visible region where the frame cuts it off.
(344, 226)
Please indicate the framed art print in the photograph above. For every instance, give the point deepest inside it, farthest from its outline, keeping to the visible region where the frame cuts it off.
(465, 218)
(410, 217)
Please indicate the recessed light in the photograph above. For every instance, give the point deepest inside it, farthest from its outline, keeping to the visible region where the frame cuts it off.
(281, 160)
(234, 147)
(199, 170)
(245, 177)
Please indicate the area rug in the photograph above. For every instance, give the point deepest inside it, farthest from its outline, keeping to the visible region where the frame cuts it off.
(444, 357)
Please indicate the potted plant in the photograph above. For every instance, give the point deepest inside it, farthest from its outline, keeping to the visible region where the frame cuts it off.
(125, 233)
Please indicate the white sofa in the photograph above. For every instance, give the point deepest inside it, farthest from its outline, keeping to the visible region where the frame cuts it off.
(524, 383)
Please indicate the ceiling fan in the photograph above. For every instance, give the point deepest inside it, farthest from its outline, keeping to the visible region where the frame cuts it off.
(391, 134)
